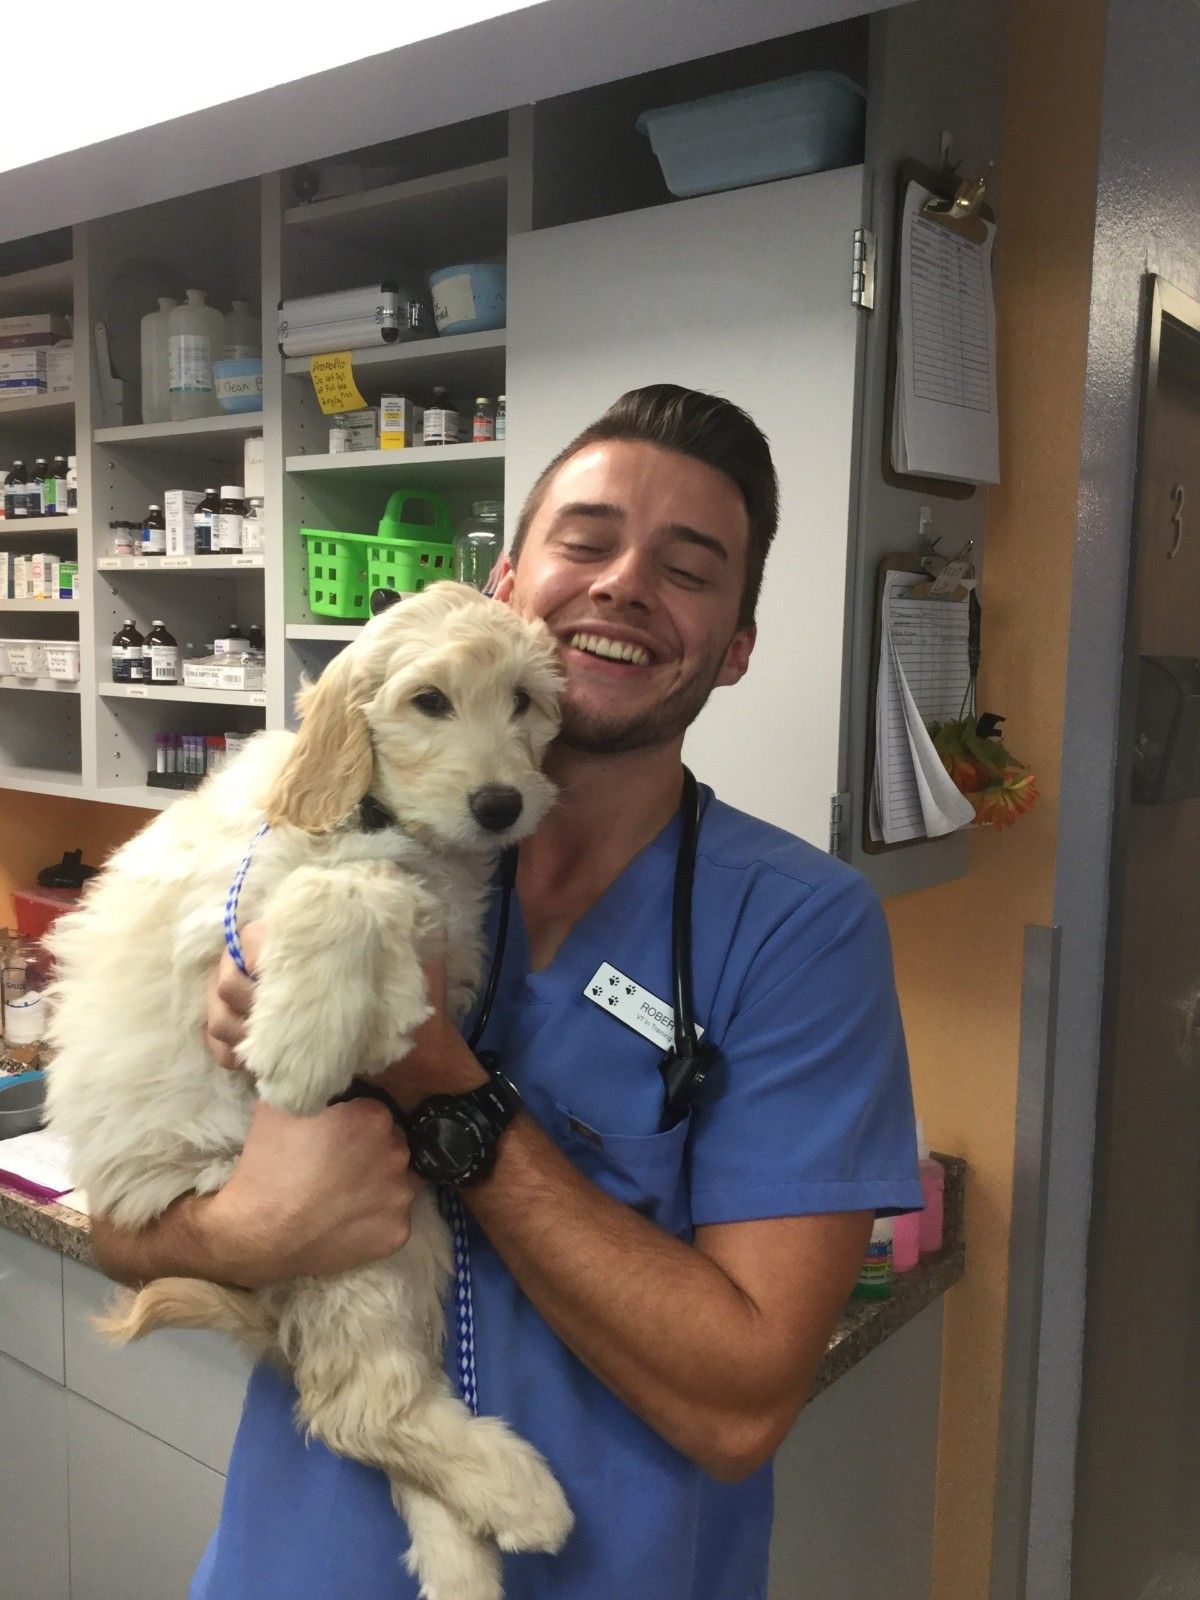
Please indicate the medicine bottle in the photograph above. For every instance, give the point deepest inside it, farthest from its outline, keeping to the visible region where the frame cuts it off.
(501, 418)
(154, 532)
(202, 524)
(227, 523)
(128, 658)
(441, 420)
(163, 652)
(875, 1274)
(483, 424)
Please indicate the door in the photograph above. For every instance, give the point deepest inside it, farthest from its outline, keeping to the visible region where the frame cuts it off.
(744, 294)
(1137, 1530)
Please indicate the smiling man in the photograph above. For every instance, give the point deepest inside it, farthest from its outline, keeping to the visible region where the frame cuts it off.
(652, 1294)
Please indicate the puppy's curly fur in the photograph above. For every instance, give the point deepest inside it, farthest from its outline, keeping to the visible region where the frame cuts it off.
(350, 917)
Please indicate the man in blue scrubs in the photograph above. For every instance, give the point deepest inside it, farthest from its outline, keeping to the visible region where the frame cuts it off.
(650, 1304)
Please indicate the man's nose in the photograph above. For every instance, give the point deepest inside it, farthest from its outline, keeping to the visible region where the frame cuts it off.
(625, 580)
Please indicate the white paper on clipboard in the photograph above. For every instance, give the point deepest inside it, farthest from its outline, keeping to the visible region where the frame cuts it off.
(944, 413)
(923, 676)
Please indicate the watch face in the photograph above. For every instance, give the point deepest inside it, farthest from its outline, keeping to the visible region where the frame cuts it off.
(450, 1146)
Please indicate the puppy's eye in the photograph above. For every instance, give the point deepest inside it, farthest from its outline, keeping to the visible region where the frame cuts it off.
(432, 703)
(520, 702)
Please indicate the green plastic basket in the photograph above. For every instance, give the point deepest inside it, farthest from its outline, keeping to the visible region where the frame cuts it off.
(415, 545)
(337, 573)
(407, 554)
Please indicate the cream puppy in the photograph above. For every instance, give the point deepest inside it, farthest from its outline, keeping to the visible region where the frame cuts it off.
(442, 696)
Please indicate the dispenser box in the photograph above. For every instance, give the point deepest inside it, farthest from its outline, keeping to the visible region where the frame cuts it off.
(30, 332)
(179, 507)
(252, 468)
(23, 370)
(400, 423)
(354, 430)
(60, 367)
(43, 577)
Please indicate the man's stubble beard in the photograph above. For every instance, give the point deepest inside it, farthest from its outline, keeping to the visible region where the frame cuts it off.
(661, 724)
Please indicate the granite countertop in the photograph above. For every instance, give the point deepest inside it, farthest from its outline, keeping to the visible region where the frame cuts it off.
(863, 1325)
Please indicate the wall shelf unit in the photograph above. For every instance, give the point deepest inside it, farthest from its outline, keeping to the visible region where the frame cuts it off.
(450, 466)
(190, 566)
(171, 435)
(185, 695)
(34, 607)
(472, 362)
(38, 685)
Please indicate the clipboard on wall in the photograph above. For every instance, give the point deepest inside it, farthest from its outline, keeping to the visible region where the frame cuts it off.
(921, 793)
(943, 188)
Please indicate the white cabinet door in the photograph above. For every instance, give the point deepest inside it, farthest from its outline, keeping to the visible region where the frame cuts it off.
(33, 1485)
(141, 1513)
(745, 294)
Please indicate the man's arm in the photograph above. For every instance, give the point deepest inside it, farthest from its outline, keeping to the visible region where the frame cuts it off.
(715, 1345)
(310, 1195)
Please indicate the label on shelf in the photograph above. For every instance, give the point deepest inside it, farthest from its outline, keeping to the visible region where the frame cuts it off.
(137, 692)
(247, 561)
(109, 564)
(143, 561)
(176, 561)
(258, 699)
(333, 382)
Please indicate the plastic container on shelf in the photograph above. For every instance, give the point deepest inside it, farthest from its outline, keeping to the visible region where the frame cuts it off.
(62, 661)
(337, 573)
(156, 398)
(414, 546)
(196, 338)
(238, 383)
(805, 123)
(243, 332)
(469, 298)
(479, 543)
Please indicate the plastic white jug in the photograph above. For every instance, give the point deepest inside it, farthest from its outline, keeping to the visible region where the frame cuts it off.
(196, 338)
(156, 403)
(243, 332)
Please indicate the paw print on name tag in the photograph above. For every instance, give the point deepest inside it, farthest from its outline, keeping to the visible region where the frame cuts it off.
(631, 988)
(596, 989)
(612, 999)
(613, 981)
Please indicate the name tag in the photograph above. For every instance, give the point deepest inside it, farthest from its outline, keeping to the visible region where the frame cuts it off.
(633, 1005)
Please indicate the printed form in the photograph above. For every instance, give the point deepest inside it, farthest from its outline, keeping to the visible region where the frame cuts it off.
(944, 416)
(923, 677)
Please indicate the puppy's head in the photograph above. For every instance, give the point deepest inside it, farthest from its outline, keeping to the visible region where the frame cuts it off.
(442, 709)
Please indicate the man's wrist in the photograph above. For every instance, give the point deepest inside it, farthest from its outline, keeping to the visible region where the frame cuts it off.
(225, 1245)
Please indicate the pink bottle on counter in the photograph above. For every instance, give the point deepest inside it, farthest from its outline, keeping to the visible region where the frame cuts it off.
(906, 1236)
(933, 1183)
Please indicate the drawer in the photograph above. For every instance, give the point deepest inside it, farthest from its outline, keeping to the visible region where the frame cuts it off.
(182, 1386)
(31, 1304)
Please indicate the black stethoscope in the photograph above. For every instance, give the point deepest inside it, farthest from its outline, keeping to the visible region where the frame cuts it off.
(687, 1063)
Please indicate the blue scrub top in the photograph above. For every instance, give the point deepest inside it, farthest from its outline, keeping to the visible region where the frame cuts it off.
(809, 1111)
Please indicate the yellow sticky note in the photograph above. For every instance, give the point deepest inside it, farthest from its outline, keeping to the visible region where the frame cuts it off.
(333, 379)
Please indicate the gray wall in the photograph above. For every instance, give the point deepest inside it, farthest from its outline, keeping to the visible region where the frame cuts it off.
(1148, 220)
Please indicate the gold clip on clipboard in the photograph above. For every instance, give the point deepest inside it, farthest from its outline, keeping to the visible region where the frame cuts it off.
(921, 674)
(961, 215)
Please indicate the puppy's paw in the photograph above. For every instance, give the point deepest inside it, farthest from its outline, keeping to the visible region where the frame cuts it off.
(522, 1505)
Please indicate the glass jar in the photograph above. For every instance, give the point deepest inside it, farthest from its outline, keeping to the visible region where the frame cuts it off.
(479, 542)
(23, 979)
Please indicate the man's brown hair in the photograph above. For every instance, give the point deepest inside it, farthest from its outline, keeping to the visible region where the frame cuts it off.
(704, 427)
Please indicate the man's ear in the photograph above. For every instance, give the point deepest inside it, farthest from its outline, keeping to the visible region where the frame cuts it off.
(737, 657)
(505, 576)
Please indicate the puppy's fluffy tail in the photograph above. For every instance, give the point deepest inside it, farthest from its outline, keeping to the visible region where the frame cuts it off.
(190, 1303)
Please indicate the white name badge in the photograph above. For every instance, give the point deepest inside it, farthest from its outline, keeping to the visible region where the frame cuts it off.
(636, 1007)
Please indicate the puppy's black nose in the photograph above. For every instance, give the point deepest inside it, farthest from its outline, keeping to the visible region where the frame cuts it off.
(496, 806)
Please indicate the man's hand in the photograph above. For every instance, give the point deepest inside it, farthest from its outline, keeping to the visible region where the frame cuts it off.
(313, 1196)
(228, 997)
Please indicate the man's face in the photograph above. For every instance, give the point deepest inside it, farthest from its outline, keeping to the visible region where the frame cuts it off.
(636, 552)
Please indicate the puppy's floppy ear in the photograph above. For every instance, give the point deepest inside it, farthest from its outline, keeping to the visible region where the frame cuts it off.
(330, 765)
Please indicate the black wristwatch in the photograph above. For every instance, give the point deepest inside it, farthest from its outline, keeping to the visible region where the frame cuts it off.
(453, 1137)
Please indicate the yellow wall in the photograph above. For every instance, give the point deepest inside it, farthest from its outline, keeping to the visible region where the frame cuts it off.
(959, 947)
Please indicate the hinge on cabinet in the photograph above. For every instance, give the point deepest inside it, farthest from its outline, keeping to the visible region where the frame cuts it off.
(839, 823)
(862, 277)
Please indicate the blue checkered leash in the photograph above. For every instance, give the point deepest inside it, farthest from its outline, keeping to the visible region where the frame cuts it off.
(464, 1305)
(233, 941)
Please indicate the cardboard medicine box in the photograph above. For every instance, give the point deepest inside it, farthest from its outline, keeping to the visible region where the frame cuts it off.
(43, 577)
(23, 369)
(400, 423)
(32, 330)
(179, 508)
(354, 430)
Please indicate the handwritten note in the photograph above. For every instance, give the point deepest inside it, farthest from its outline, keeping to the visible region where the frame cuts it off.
(333, 380)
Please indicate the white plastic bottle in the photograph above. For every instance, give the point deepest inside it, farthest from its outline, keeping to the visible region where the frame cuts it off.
(156, 403)
(196, 334)
(243, 332)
